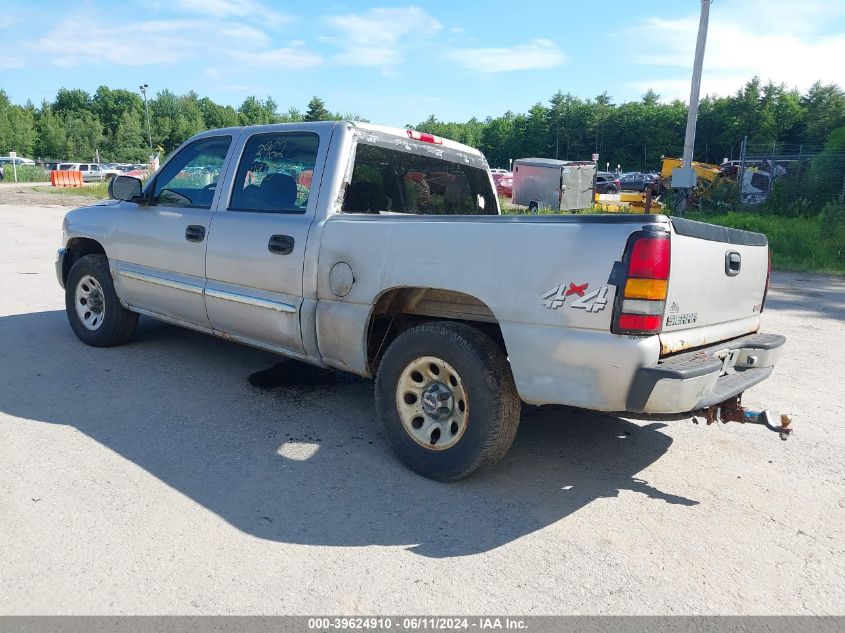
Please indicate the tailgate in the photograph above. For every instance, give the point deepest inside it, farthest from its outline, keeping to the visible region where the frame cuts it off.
(717, 284)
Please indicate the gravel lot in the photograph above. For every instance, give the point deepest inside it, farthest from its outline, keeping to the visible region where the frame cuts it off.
(154, 478)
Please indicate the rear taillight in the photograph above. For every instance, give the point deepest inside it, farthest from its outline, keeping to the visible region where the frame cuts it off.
(768, 280)
(425, 137)
(641, 296)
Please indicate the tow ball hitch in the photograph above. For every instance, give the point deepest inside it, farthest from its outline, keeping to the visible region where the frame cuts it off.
(731, 410)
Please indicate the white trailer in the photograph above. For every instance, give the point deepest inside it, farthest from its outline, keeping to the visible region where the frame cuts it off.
(546, 183)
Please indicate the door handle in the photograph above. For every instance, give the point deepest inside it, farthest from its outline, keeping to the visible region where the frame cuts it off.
(195, 233)
(733, 262)
(280, 244)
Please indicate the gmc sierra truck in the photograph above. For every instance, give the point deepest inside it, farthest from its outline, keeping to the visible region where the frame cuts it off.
(382, 252)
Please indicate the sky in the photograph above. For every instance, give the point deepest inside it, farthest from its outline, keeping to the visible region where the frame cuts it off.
(397, 62)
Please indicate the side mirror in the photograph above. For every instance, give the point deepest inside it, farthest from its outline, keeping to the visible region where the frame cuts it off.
(125, 188)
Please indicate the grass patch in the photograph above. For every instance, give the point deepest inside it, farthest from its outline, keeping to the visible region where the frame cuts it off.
(26, 173)
(803, 244)
(97, 190)
(808, 243)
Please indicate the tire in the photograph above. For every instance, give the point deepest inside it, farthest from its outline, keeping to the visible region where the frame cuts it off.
(484, 407)
(89, 285)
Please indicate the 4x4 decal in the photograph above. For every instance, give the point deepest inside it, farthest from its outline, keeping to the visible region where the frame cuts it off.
(592, 301)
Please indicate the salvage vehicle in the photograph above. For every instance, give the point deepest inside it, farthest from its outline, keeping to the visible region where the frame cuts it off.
(381, 252)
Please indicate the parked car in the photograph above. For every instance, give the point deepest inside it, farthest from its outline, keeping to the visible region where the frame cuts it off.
(504, 184)
(638, 181)
(17, 160)
(394, 264)
(90, 171)
(503, 181)
(607, 183)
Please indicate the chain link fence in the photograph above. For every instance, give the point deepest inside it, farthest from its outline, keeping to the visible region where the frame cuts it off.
(789, 175)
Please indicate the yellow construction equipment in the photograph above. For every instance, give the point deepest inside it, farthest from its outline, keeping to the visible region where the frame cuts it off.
(705, 171)
(629, 202)
(637, 202)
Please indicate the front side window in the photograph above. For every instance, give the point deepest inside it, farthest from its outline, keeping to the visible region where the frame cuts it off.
(275, 173)
(391, 181)
(190, 178)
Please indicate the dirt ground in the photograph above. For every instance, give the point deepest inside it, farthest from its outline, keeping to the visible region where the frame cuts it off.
(157, 478)
(25, 194)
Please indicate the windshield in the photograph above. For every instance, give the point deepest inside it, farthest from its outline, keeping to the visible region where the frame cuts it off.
(386, 180)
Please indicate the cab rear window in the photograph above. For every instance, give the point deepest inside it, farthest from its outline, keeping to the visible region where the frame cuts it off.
(392, 181)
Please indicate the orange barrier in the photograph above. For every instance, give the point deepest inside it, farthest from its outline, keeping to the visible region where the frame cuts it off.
(66, 178)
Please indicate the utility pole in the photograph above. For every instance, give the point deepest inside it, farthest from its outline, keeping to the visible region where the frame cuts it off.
(684, 177)
(143, 89)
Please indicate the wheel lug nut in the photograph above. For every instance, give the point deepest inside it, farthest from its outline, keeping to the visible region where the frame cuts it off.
(444, 396)
(443, 410)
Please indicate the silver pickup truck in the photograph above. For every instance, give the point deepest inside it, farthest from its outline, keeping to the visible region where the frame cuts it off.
(381, 251)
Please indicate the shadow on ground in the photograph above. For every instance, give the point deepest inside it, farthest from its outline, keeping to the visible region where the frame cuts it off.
(299, 459)
(815, 295)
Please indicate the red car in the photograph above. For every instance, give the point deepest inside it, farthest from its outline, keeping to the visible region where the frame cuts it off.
(504, 184)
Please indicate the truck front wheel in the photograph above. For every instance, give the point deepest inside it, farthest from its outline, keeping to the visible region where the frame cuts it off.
(446, 400)
(92, 306)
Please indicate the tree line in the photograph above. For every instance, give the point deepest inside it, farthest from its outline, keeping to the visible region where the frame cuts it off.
(112, 122)
(633, 134)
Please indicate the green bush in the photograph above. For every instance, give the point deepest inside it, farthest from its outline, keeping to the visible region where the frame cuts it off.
(26, 173)
(813, 243)
(721, 195)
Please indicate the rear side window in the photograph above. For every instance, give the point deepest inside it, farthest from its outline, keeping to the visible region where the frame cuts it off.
(392, 181)
(275, 173)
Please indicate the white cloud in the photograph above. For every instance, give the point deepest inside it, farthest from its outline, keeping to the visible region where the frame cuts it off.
(243, 32)
(537, 54)
(278, 58)
(7, 62)
(784, 43)
(169, 41)
(141, 43)
(379, 37)
(245, 9)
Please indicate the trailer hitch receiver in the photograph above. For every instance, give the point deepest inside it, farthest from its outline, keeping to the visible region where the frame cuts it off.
(731, 410)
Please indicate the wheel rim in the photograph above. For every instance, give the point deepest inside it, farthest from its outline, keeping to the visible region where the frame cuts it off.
(90, 302)
(432, 403)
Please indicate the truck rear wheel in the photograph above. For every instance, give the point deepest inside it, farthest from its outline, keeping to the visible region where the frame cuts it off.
(92, 306)
(446, 400)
